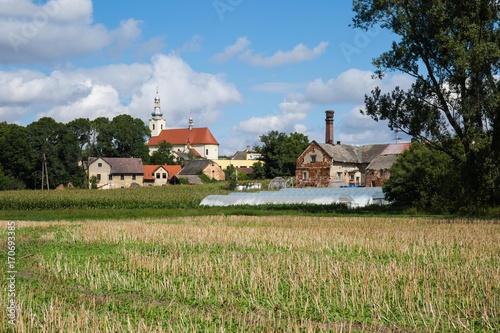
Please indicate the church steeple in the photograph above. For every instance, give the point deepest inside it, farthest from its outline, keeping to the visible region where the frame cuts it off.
(190, 122)
(157, 123)
(157, 110)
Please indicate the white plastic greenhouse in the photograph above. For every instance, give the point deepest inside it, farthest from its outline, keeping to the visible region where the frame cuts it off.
(352, 196)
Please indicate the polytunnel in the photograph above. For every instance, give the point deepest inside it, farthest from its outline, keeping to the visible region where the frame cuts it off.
(351, 196)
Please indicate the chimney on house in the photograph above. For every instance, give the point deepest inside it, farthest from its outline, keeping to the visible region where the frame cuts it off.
(329, 127)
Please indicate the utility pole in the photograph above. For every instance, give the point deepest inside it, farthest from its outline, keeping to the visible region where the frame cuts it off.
(45, 173)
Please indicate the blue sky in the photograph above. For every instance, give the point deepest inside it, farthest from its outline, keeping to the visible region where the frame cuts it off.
(239, 67)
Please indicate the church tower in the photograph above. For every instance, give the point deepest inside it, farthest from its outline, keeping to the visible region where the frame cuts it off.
(157, 123)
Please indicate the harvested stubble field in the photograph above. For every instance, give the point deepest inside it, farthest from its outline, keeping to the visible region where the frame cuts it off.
(256, 274)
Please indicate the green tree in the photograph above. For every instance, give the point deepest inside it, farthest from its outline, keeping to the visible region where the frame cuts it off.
(53, 143)
(163, 155)
(123, 136)
(425, 179)
(280, 152)
(231, 176)
(259, 172)
(452, 50)
(17, 157)
(8, 182)
(129, 136)
(101, 141)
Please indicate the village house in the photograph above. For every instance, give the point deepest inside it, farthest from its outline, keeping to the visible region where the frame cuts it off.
(197, 140)
(242, 160)
(378, 170)
(159, 175)
(114, 172)
(333, 165)
(202, 166)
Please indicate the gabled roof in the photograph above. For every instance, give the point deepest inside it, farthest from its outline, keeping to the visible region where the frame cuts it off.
(121, 165)
(181, 136)
(387, 158)
(195, 167)
(353, 154)
(149, 170)
(382, 162)
(240, 155)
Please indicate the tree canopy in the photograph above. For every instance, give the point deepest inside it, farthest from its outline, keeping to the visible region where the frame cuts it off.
(280, 152)
(64, 148)
(452, 50)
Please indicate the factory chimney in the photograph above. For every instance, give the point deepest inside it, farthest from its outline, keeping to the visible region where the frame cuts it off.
(329, 127)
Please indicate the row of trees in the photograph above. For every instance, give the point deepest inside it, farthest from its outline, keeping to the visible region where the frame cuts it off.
(63, 148)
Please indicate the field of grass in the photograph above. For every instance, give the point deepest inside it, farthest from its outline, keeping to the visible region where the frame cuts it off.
(144, 202)
(255, 274)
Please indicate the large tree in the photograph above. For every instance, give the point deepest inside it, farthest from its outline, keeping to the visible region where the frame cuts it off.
(56, 147)
(452, 50)
(163, 155)
(280, 152)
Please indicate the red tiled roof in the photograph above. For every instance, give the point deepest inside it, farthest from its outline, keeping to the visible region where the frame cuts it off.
(195, 152)
(149, 170)
(181, 136)
(172, 169)
(396, 148)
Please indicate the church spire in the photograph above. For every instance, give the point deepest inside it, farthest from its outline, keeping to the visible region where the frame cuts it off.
(157, 110)
(190, 122)
(157, 123)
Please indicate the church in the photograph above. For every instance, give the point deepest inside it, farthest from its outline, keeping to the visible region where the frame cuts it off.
(197, 140)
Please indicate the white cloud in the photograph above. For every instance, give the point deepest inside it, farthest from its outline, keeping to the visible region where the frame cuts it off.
(101, 101)
(299, 53)
(348, 88)
(117, 89)
(351, 86)
(184, 91)
(232, 50)
(192, 45)
(287, 120)
(55, 30)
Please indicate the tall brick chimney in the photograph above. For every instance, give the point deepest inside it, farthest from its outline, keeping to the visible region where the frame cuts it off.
(329, 127)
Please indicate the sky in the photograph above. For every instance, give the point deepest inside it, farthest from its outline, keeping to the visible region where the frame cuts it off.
(239, 67)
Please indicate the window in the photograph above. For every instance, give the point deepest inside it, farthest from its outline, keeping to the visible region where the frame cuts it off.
(98, 176)
(339, 174)
(164, 175)
(99, 165)
(110, 177)
(153, 127)
(206, 152)
(304, 175)
(133, 177)
(158, 175)
(122, 177)
(313, 158)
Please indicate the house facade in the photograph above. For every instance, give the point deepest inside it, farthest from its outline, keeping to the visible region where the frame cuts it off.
(242, 160)
(208, 167)
(333, 165)
(159, 175)
(183, 140)
(114, 172)
(379, 169)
